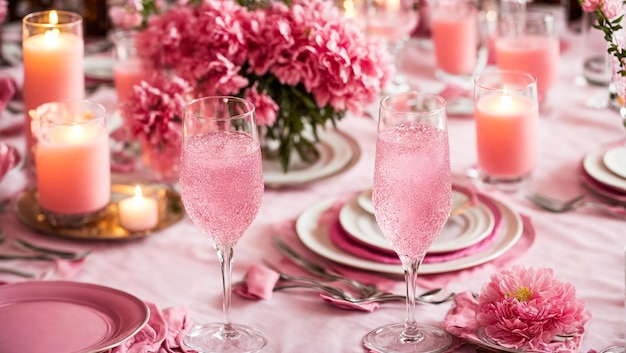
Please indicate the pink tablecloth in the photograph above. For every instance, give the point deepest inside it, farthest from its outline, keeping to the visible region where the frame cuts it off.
(177, 267)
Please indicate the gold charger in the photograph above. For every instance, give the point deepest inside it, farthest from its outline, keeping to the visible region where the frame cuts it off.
(107, 226)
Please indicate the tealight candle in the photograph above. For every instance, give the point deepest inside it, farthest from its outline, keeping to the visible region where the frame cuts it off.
(138, 213)
(53, 51)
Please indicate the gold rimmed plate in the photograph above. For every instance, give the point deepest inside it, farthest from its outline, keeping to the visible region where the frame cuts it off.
(106, 226)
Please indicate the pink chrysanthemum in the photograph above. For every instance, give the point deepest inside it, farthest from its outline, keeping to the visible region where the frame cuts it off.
(525, 308)
(153, 114)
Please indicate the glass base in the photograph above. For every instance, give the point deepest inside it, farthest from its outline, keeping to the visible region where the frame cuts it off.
(216, 338)
(466, 82)
(614, 349)
(504, 184)
(390, 339)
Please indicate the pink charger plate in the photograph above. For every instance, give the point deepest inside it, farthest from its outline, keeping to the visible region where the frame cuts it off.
(601, 188)
(67, 317)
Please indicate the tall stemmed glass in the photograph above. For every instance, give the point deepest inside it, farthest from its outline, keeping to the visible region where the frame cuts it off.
(221, 183)
(392, 21)
(412, 199)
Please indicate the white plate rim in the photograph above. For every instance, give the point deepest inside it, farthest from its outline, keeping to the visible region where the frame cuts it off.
(98, 67)
(338, 153)
(597, 170)
(479, 222)
(316, 239)
(364, 199)
(611, 159)
(66, 288)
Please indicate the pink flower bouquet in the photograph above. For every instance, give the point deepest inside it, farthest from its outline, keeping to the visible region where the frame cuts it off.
(300, 62)
(526, 309)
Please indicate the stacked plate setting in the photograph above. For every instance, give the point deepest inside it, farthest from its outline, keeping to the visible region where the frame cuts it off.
(344, 230)
(604, 172)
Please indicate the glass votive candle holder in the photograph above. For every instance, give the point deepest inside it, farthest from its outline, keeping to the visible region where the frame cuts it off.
(53, 52)
(460, 41)
(506, 113)
(128, 69)
(529, 42)
(72, 161)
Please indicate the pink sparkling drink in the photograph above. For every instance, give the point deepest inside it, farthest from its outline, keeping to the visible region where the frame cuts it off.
(221, 181)
(412, 186)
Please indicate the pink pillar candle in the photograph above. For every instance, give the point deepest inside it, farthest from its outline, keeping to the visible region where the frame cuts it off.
(536, 54)
(138, 213)
(506, 134)
(53, 51)
(455, 37)
(72, 159)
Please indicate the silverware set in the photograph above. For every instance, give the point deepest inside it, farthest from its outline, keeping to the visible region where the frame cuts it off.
(35, 253)
(361, 293)
(559, 206)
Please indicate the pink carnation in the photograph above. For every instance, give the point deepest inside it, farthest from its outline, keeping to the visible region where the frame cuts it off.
(590, 5)
(612, 8)
(525, 308)
(123, 18)
(265, 107)
(153, 113)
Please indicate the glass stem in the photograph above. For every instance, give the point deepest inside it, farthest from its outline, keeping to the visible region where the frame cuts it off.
(225, 256)
(411, 333)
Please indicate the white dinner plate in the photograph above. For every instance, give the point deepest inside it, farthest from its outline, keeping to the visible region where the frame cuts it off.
(315, 237)
(99, 67)
(364, 199)
(594, 166)
(338, 152)
(615, 160)
(467, 229)
(64, 316)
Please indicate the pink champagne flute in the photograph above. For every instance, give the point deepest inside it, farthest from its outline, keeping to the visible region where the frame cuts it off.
(412, 199)
(221, 183)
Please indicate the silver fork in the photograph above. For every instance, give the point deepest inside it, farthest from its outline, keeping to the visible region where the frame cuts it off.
(365, 290)
(558, 206)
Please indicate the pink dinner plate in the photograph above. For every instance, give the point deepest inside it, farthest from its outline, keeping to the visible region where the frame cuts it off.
(67, 317)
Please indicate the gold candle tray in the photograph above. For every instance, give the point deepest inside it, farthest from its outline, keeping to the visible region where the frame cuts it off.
(105, 227)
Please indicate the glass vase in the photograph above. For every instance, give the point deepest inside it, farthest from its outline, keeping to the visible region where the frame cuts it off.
(162, 161)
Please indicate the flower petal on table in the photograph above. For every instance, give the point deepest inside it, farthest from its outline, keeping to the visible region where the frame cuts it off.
(67, 269)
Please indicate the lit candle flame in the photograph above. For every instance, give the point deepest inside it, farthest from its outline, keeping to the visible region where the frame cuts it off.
(138, 193)
(52, 36)
(506, 101)
(393, 5)
(348, 7)
(53, 18)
